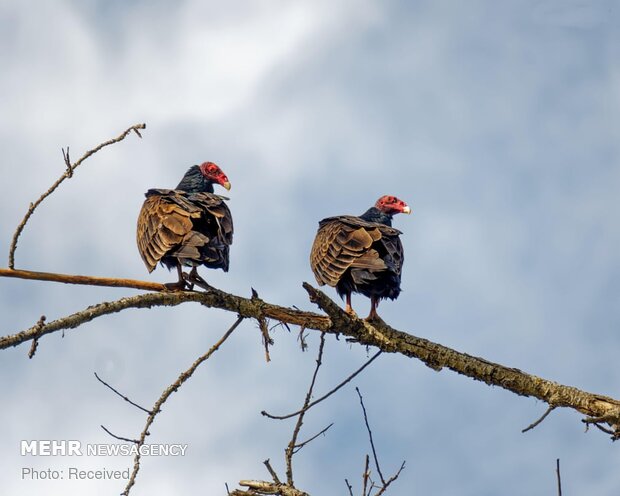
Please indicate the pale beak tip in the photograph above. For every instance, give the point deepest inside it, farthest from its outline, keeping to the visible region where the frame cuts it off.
(226, 185)
(407, 210)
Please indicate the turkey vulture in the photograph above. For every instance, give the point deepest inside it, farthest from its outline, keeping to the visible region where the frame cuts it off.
(188, 225)
(361, 254)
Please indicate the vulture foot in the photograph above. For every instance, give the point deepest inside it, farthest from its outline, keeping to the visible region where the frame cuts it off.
(176, 286)
(375, 319)
(349, 311)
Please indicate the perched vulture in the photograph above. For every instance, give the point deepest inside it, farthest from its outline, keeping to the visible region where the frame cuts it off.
(361, 254)
(188, 225)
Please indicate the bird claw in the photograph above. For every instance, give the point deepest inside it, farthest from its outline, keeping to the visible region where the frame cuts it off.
(375, 319)
(188, 281)
(176, 286)
(350, 312)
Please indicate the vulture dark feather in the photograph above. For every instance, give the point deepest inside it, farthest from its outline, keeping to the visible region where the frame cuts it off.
(361, 254)
(187, 226)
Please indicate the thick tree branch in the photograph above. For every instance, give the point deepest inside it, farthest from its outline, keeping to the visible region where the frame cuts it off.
(247, 307)
(67, 174)
(259, 488)
(598, 408)
(84, 280)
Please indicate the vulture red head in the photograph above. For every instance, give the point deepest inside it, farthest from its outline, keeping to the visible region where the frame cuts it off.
(392, 205)
(201, 178)
(361, 254)
(213, 173)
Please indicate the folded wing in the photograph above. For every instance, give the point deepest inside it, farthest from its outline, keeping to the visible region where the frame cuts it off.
(349, 247)
(188, 228)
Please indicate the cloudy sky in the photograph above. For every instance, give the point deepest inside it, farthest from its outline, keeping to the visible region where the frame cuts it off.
(498, 122)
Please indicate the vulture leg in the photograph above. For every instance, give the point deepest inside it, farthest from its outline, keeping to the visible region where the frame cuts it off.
(348, 308)
(190, 278)
(373, 315)
(180, 284)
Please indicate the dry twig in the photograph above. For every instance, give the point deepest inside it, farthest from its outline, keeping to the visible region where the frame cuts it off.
(365, 476)
(539, 421)
(35, 342)
(67, 174)
(292, 445)
(122, 395)
(120, 438)
(271, 471)
(390, 480)
(309, 440)
(372, 443)
(166, 394)
(326, 395)
(349, 487)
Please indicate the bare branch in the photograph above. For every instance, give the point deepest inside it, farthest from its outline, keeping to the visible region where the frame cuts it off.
(365, 476)
(325, 396)
(35, 342)
(301, 337)
(372, 444)
(122, 395)
(67, 174)
(539, 421)
(613, 433)
(65, 157)
(349, 487)
(301, 445)
(134, 441)
(166, 394)
(272, 472)
(290, 449)
(390, 480)
(264, 331)
(557, 471)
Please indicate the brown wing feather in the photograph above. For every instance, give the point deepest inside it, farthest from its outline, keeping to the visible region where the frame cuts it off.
(167, 223)
(341, 243)
(162, 224)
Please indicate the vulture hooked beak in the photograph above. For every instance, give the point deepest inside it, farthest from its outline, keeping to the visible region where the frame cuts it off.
(406, 209)
(226, 185)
